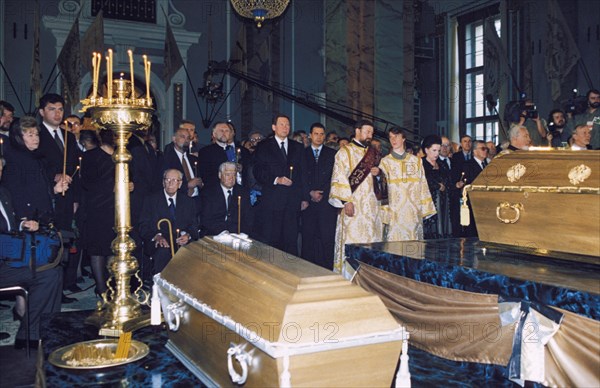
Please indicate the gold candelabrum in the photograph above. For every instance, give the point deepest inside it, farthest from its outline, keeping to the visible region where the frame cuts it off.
(122, 112)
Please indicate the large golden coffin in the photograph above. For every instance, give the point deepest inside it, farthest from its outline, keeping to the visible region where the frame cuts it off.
(256, 316)
(544, 201)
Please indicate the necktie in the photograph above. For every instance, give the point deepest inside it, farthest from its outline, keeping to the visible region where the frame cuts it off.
(317, 155)
(230, 153)
(447, 161)
(172, 209)
(59, 143)
(283, 150)
(468, 157)
(187, 173)
(228, 204)
(483, 164)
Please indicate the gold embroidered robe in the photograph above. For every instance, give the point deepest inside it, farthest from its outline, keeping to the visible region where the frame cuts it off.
(365, 226)
(409, 198)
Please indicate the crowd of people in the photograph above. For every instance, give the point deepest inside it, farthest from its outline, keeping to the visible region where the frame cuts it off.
(306, 193)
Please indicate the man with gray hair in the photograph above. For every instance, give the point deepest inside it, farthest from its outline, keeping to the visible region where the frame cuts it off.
(179, 209)
(582, 135)
(225, 206)
(519, 138)
(222, 150)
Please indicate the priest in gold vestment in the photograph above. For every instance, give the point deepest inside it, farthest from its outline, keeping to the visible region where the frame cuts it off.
(353, 191)
(409, 199)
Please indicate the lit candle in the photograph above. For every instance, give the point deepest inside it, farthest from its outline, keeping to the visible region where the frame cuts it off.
(108, 88)
(177, 232)
(239, 214)
(291, 171)
(148, 84)
(1, 147)
(98, 65)
(79, 166)
(94, 84)
(237, 155)
(196, 168)
(110, 73)
(146, 75)
(131, 71)
(65, 155)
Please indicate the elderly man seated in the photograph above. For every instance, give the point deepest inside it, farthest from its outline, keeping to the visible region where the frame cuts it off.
(219, 204)
(168, 205)
(519, 138)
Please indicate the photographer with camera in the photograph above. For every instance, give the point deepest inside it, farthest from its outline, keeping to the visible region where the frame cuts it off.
(524, 113)
(560, 128)
(591, 117)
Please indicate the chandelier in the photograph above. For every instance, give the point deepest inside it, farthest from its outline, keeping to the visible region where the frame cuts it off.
(259, 10)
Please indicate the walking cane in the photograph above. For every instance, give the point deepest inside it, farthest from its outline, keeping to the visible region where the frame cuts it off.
(168, 221)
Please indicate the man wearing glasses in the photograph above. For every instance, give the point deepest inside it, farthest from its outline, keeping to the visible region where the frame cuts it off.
(472, 168)
(179, 209)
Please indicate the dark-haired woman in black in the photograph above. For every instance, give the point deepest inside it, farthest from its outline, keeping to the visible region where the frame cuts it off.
(98, 202)
(438, 180)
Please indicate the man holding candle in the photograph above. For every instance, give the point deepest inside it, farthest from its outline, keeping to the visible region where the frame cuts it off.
(275, 158)
(222, 150)
(59, 152)
(179, 209)
(226, 205)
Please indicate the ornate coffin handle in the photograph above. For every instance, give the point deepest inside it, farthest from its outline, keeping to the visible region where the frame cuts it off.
(243, 357)
(174, 315)
(517, 207)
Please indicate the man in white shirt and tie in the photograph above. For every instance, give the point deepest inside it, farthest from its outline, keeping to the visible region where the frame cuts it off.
(582, 135)
(180, 159)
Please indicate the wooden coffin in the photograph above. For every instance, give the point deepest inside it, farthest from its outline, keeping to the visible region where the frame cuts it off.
(259, 317)
(545, 201)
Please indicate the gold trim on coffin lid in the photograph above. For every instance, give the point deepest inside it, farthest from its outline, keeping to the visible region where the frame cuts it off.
(535, 189)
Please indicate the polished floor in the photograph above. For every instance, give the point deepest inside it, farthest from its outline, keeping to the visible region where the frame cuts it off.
(16, 370)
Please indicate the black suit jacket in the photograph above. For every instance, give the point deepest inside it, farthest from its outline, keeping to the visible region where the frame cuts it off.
(52, 158)
(171, 161)
(317, 176)
(156, 208)
(213, 210)
(10, 212)
(211, 157)
(270, 164)
(471, 169)
(144, 173)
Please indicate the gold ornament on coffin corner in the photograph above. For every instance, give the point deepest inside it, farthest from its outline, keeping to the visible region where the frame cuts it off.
(579, 174)
(516, 172)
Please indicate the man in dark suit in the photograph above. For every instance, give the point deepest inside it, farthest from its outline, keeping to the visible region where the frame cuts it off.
(219, 204)
(472, 168)
(179, 158)
(179, 209)
(457, 180)
(278, 168)
(45, 287)
(318, 216)
(222, 150)
(52, 148)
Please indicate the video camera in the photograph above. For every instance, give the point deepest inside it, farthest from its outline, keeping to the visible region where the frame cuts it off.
(576, 104)
(515, 109)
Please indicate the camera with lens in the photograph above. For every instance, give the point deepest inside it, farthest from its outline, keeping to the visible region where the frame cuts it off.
(576, 104)
(515, 109)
